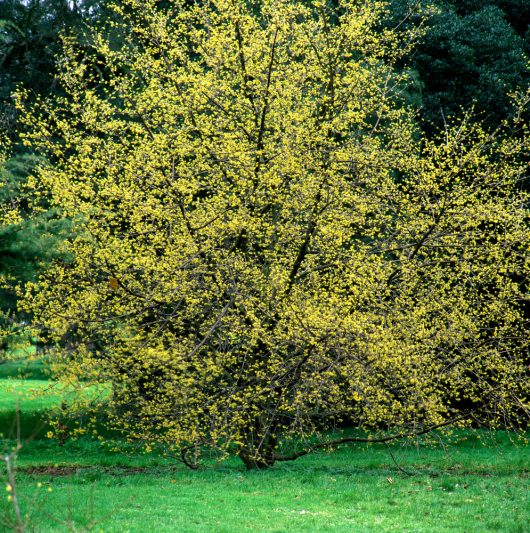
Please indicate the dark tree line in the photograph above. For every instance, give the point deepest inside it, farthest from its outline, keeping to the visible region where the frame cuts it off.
(475, 53)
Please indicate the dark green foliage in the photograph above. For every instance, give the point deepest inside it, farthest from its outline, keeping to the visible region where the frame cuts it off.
(473, 55)
(25, 247)
(475, 59)
(516, 12)
(30, 45)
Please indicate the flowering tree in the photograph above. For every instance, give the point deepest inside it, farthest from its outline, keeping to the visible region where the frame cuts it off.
(265, 246)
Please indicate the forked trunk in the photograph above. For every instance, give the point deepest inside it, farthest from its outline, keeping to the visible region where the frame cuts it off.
(261, 457)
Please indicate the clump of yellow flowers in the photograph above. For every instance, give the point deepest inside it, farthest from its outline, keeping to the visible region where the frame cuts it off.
(265, 245)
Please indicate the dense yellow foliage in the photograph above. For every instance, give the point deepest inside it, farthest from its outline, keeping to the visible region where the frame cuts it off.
(265, 245)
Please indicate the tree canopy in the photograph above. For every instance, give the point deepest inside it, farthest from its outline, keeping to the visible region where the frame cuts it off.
(472, 53)
(30, 45)
(266, 246)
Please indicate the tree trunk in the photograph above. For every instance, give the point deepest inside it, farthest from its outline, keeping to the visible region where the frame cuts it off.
(261, 457)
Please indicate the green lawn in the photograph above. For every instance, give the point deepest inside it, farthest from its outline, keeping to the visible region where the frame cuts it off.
(34, 399)
(20, 366)
(479, 483)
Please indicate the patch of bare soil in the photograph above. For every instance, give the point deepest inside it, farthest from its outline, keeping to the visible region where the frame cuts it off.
(68, 470)
(51, 470)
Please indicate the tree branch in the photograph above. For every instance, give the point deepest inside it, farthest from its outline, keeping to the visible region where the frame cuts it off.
(346, 440)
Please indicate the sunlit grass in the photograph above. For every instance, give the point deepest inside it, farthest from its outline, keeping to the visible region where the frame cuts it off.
(466, 487)
(35, 399)
(478, 482)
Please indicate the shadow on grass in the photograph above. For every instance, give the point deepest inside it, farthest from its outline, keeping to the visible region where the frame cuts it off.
(25, 368)
(33, 425)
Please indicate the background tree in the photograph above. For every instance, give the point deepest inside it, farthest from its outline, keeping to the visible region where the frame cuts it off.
(30, 43)
(473, 53)
(265, 247)
(476, 58)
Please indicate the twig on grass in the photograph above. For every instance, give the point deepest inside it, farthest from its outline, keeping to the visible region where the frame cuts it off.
(10, 459)
(398, 466)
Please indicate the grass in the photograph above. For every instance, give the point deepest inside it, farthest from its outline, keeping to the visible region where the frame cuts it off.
(479, 483)
(22, 367)
(34, 399)
(468, 487)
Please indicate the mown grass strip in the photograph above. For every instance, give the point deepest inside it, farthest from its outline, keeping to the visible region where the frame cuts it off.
(478, 482)
(466, 487)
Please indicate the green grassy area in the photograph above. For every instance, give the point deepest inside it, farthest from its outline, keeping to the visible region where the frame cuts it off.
(34, 399)
(478, 483)
(467, 487)
(23, 367)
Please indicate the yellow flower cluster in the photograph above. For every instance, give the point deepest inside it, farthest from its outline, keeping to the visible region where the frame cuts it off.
(265, 244)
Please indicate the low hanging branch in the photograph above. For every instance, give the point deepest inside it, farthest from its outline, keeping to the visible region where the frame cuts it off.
(184, 453)
(374, 440)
